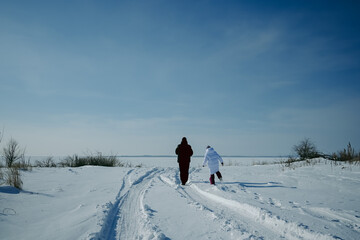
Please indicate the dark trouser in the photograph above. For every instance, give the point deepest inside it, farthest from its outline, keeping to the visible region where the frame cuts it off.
(212, 177)
(184, 172)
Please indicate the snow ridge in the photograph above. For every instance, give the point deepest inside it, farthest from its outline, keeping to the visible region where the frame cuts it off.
(287, 229)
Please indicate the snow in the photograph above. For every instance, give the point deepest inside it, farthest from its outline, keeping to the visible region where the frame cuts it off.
(252, 202)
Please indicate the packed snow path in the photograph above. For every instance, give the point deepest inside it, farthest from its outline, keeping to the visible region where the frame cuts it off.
(152, 204)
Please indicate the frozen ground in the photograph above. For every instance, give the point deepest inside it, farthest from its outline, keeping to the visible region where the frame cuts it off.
(253, 202)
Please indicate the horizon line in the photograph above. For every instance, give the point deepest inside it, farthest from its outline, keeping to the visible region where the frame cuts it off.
(160, 155)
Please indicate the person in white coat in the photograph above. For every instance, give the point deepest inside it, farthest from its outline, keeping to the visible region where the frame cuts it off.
(212, 159)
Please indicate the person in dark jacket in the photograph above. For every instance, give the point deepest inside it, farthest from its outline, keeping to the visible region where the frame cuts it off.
(184, 153)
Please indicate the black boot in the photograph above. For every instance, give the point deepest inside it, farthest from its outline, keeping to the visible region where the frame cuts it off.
(212, 179)
(218, 174)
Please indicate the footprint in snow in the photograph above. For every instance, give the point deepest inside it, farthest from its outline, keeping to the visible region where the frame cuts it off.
(149, 210)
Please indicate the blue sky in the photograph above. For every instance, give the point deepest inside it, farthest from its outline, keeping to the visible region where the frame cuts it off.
(134, 77)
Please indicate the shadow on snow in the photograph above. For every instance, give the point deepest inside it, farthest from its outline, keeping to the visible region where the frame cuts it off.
(13, 190)
(249, 184)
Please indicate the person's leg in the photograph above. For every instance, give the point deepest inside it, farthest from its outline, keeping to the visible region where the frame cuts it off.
(182, 178)
(212, 179)
(181, 168)
(218, 174)
(186, 172)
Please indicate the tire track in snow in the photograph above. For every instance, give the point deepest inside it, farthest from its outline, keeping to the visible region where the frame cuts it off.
(229, 226)
(335, 217)
(109, 223)
(320, 218)
(267, 223)
(130, 218)
(126, 217)
(289, 230)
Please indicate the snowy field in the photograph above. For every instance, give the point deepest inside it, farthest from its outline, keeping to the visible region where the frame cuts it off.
(253, 202)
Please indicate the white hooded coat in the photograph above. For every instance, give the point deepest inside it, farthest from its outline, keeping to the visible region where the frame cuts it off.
(212, 159)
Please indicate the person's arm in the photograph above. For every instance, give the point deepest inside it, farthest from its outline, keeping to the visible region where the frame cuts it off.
(220, 159)
(205, 160)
